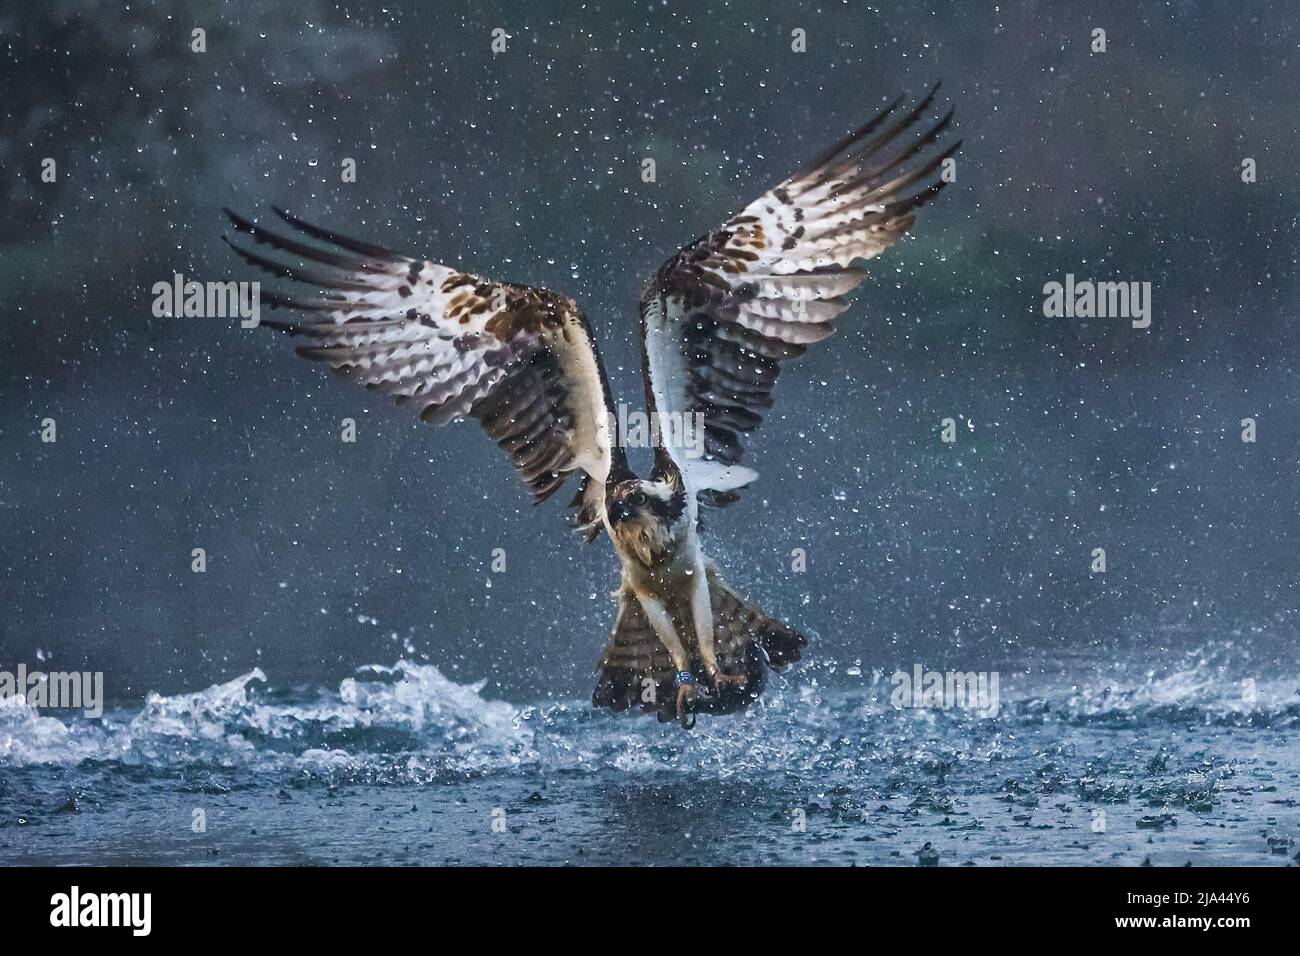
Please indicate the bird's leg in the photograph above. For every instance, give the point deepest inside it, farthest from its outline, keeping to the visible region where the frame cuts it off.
(662, 623)
(702, 617)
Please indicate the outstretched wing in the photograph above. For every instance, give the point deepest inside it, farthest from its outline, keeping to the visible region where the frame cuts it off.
(719, 318)
(520, 360)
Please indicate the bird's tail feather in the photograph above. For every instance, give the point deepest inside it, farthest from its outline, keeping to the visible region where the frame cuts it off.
(637, 671)
(737, 622)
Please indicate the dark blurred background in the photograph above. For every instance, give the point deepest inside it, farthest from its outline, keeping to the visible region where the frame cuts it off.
(322, 556)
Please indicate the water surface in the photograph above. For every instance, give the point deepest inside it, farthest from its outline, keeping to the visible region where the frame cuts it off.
(401, 765)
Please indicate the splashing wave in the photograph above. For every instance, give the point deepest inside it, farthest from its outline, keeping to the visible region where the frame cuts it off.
(410, 723)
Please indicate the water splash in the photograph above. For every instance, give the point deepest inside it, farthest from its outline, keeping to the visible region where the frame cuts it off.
(410, 723)
(406, 708)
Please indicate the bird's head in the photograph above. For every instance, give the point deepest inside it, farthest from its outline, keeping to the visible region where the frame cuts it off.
(635, 500)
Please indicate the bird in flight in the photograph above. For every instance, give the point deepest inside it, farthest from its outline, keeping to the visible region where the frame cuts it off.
(718, 321)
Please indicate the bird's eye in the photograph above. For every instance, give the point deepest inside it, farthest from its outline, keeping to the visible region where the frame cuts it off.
(636, 498)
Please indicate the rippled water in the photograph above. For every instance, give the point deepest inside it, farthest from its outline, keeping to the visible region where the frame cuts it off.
(402, 765)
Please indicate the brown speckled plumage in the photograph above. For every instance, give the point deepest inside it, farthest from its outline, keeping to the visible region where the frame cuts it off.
(718, 320)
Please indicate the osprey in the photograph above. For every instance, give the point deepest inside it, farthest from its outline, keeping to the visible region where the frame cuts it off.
(718, 320)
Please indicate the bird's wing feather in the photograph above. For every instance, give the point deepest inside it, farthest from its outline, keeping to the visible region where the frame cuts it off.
(633, 658)
(520, 360)
(719, 318)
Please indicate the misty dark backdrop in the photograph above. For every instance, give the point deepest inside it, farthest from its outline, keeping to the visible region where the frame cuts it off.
(322, 556)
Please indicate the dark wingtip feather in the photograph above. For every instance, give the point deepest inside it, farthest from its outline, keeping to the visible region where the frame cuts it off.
(865, 129)
(338, 239)
(856, 146)
(912, 203)
(278, 300)
(283, 271)
(263, 236)
(241, 223)
(280, 325)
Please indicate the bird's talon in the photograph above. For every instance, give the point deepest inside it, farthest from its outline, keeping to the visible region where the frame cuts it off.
(685, 694)
(721, 680)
